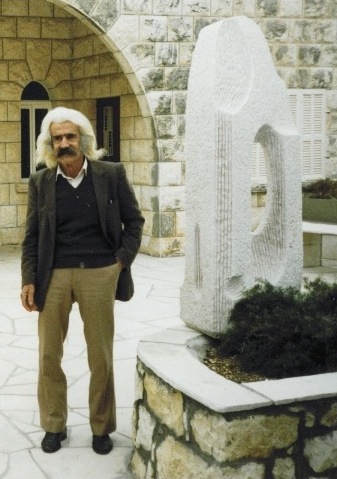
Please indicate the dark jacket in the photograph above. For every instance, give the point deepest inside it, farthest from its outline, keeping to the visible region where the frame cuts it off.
(120, 219)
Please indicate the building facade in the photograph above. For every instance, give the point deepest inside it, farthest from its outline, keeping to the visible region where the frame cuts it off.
(125, 64)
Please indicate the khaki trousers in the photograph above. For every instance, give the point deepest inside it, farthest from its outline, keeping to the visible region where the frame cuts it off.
(94, 291)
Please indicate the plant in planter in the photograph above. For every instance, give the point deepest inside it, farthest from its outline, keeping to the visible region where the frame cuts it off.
(278, 332)
(319, 202)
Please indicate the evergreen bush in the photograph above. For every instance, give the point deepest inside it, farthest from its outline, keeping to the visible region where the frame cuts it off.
(321, 189)
(282, 332)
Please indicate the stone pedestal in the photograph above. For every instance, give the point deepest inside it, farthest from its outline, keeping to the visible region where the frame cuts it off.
(190, 423)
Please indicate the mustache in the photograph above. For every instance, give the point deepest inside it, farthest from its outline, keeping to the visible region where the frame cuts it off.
(66, 151)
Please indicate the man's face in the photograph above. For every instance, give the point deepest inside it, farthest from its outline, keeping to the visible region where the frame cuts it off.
(66, 141)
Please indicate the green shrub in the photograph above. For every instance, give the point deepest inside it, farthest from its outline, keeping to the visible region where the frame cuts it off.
(321, 189)
(282, 332)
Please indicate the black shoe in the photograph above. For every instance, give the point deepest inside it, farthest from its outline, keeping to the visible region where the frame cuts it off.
(52, 441)
(101, 444)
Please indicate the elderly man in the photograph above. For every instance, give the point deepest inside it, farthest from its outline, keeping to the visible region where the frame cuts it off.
(83, 232)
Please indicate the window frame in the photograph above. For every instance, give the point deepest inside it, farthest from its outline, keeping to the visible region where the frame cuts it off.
(32, 132)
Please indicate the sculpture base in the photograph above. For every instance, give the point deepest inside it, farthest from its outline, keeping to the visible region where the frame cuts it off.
(190, 422)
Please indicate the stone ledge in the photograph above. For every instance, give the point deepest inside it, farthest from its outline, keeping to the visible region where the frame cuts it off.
(169, 354)
(319, 228)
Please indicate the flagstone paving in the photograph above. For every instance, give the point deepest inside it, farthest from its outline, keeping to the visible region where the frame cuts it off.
(155, 307)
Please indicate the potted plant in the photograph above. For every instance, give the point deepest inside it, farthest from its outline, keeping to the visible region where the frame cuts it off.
(319, 201)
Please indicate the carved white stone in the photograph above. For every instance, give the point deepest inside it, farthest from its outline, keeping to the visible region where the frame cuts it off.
(236, 98)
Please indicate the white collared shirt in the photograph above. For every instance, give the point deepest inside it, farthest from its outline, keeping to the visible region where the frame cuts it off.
(77, 180)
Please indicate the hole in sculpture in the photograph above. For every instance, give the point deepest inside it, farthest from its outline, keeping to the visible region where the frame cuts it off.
(258, 184)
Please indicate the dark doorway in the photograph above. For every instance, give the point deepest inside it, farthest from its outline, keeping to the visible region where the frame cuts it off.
(108, 127)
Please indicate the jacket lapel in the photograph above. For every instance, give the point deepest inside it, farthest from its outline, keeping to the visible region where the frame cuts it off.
(50, 184)
(101, 187)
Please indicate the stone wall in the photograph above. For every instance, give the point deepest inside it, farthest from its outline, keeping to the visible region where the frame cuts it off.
(44, 43)
(146, 59)
(176, 437)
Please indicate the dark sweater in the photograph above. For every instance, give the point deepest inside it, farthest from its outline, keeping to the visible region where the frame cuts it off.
(79, 239)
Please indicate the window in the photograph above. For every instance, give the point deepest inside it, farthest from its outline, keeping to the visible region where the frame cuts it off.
(308, 108)
(34, 106)
(108, 127)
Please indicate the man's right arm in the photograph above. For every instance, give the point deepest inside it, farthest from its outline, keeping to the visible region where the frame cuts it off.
(29, 250)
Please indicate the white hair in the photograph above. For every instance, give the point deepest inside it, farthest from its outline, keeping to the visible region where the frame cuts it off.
(44, 145)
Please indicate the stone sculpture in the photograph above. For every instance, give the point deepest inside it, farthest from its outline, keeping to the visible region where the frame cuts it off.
(236, 98)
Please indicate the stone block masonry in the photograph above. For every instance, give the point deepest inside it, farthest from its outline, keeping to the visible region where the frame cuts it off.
(41, 42)
(142, 51)
(176, 437)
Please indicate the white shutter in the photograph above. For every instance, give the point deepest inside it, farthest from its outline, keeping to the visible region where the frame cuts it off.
(294, 107)
(308, 108)
(258, 164)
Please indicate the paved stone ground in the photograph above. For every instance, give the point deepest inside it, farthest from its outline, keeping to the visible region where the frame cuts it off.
(155, 306)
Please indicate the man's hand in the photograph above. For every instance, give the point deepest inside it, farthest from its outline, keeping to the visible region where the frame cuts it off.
(120, 264)
(27, 297)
